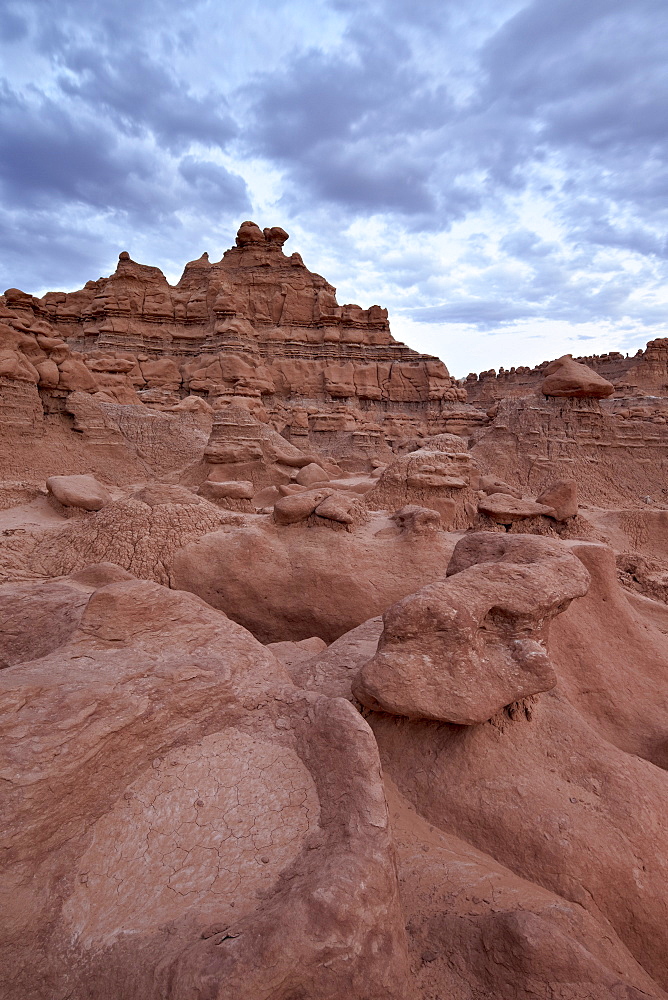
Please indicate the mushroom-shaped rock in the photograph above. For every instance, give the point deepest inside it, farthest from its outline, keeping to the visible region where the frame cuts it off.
(562, 496)
(249, 232)
(505, 509)
(276, 236)
(78, 491)
(444, 481)
(566, 377)
(490, 484)
(461, 649)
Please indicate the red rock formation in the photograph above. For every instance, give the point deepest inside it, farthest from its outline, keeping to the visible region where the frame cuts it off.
(566, 378)
(176, 821)
(462, 649)
(646, 373)
(256, 328)
(189, 471)
(614, 458)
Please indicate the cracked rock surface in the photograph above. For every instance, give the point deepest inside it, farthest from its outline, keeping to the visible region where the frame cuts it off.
(173, 814)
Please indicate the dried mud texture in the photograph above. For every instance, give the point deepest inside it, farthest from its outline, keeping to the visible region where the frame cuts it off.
(174, 824)
(139, 536)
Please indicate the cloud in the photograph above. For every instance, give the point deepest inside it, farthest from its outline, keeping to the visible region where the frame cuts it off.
(345, 122)
(140, 96)
(215, 185)
(52, 157)
(485, 315)
(12, 26)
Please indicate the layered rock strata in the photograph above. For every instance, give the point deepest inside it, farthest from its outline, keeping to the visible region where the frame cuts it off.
(645, 373)
(255, 328)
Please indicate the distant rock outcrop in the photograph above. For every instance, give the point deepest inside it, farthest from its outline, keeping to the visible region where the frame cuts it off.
(565, 377)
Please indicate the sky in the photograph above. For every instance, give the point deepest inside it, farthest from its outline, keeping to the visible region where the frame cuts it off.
(494, 172)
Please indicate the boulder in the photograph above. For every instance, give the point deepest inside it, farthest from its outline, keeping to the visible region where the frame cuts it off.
(84, 492)
(566, 377)
(298, 506)
(490, 484)
(504, 509)
(562, 496)
(461, 649)
(48, 374)
(311, 474)
(340, 507)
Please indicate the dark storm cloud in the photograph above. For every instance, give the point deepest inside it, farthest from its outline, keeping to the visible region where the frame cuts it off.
(369, 128)
(141, 96)
(592, 81)
(50, 156)
(104, 139)
(12, 26)
(345, 124)
(44, 248)
(216, 186)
